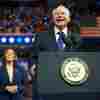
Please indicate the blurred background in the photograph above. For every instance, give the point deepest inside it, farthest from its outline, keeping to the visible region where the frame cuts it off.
(27, 17)
(31, 16)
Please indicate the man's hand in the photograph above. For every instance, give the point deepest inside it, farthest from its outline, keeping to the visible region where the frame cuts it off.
(32, 70)
(11, 89)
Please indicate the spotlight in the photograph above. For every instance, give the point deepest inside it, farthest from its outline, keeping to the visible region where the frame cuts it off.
(19, 40)
(11, 40)
(27, 40)
(3, 39)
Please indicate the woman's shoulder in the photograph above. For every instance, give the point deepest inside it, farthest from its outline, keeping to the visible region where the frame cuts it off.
(20, 67)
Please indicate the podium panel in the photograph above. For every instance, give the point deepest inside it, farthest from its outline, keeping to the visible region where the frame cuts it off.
(49, 77)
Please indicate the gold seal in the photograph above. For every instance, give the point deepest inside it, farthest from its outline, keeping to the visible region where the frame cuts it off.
(74, 71)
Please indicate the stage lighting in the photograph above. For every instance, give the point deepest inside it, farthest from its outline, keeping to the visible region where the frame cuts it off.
(3, 39)
(19, 40)
(11, 40)
(27, 40)
(15, 40)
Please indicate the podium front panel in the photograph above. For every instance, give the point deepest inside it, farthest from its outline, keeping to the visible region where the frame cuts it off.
(49, 77)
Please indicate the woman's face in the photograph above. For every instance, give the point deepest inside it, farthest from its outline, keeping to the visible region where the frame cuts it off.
(10, 55)
(61, 16)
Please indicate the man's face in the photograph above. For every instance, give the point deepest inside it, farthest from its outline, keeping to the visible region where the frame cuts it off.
(60, 18)
(10, 55)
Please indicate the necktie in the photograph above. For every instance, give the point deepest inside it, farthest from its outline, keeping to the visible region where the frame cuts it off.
(60, 42)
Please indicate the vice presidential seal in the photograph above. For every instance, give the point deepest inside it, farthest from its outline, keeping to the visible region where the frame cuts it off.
(74, 71)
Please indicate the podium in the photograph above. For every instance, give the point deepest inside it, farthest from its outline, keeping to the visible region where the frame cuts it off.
(51, 83)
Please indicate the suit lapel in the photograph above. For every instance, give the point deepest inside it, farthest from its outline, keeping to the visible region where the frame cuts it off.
(15, 73)
(5, 74)
(53, 39)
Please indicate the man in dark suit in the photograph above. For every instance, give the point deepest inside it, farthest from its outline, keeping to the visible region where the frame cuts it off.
(61, 34)
(12, 77)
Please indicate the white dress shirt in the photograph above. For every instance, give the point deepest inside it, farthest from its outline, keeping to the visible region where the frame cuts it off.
(10, 71)
(65, 31)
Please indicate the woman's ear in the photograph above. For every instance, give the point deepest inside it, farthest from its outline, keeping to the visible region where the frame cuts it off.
(68, 19)
(16, 58)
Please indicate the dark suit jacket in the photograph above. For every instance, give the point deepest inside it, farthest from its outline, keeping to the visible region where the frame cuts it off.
(47, 41)
(18, 79)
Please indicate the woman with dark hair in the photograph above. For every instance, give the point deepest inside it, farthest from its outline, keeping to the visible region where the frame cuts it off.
(12, 77)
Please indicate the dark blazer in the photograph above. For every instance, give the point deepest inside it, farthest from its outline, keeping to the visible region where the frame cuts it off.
(47, 41)
(18, 79)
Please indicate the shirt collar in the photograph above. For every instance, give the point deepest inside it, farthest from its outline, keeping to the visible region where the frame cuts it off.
(56, 30)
